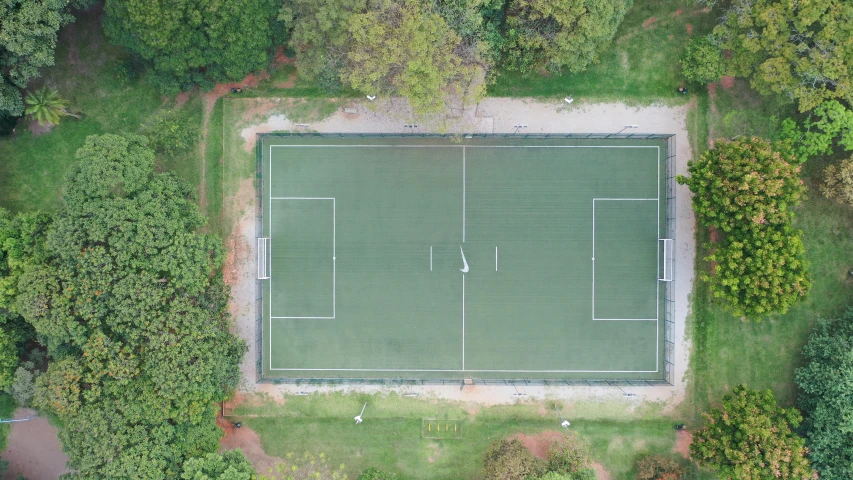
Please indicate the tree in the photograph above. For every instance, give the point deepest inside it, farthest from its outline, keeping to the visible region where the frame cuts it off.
(702, 61)
(509, 459)
(569, 455)
(133, 312)
(559, 34)
(826, 396)
(171, 132)
(27, 43)
(830, 122)
(320, 37)
(750, 438)
(404, 50)
(230, 465)
(196, 42)
(47, 107)
(800, 50)
(747, 191)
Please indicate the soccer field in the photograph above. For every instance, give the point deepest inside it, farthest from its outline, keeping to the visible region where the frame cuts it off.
(449, 258)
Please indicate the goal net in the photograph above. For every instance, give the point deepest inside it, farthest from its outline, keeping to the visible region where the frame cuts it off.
(263, 263)
(667, 268)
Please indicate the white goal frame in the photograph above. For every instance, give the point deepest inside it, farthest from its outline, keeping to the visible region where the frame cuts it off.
(668, 259)
(263, 263)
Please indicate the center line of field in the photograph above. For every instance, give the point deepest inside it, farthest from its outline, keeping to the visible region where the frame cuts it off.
(430, 258)
(463, 322)
(496, 259)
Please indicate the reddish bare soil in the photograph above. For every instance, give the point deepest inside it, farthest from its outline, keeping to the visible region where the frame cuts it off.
(249, 442)
(712, 90)
(650, 21)
(601, 473)
(677, 12)
(682, 443)
(33, 449)
(541, 443)
(727, 82)
(689, 29)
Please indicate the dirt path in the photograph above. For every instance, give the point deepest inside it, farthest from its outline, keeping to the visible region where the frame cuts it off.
(33, 449)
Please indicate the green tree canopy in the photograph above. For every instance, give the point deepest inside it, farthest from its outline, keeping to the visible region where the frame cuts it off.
(559, 34)
(829, 123)
(196, 42)
(800, 50)
(826, 397)
(750, 438)
(133, 315)
(405, 50)
(28, 32)
(747, 191)
(229, 465)
(702, 61)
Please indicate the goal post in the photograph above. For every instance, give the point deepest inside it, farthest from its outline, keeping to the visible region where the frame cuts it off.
(263, 263)
(666, 270)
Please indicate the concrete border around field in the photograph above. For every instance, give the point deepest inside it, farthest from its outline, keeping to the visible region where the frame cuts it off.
(492, 115)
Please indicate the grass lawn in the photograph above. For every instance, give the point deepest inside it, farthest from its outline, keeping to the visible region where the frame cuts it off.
(7, 408)
(641, 66)
(728, 350)
(390, 437)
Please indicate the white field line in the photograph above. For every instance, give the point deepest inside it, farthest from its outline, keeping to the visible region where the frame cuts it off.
(463, 194)
(463, 322)
(430, 258)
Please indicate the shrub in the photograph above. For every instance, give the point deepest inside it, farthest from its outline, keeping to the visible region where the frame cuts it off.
(658, 467)
(374, 473)
(838, 181)
(509, 459)
(568, 455)
(171, 132)
(23, 387)
(702, 61)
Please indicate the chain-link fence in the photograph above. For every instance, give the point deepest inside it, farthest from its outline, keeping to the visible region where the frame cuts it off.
(669, 287)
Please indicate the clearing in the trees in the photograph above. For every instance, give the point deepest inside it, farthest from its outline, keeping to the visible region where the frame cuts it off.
(477, 257)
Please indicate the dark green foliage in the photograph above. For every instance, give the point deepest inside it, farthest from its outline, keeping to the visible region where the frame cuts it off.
(230, 465)
(747, 191)
(27, 41)
(195, 42)
(559, 34)
(799, 50)
(171, 132)
(507, 459)
(702, 61)
(374, 473)
(134, 318)
(830, 122)
(827, 397)
(658, 467)
(751, 438)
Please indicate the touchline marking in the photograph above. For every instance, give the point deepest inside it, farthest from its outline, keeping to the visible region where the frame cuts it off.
(454, 370)
(463, 322)
(463, 197)
(496, 259)
(465, 146)
(430, 258)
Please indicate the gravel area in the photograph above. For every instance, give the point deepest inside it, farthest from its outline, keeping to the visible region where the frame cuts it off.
(33, 449)
(492, 115)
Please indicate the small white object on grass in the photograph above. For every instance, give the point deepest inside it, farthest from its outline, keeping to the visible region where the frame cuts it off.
(569, 99)
(358, 417)
(371, 97)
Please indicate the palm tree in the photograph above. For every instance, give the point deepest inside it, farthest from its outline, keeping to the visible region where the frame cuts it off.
(46, 106)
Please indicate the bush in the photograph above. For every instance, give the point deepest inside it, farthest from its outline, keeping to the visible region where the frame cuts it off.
(658, 467)
(702, 61)
(374, 473)
(23, 387)
(171, 132)
(838, 181)
(568, 455)
(509, 459)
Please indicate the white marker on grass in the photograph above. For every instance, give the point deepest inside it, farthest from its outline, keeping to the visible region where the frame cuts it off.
(358, 417)
(464, 268)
